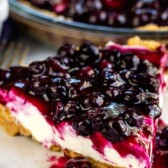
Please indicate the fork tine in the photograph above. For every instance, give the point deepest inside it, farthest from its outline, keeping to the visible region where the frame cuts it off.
(13, 56)
(23, 55)
(6, 53)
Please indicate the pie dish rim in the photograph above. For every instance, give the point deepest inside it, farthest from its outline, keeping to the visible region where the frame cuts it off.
(51, 17)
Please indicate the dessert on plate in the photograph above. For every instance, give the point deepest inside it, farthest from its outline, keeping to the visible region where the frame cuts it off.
(113, 13)
(101, 103)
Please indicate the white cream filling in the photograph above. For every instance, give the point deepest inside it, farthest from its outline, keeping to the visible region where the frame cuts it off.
(31, 118)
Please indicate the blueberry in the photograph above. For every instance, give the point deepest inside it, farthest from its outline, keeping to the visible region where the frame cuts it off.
(128, 61)
(37, 68)
(151, 83)
(114, 110)
(112, 55)
(154, 111)
(85, 125)
(105, 64)
(78, 162)
(65, 110)
(58, 112)
(19, 72)
(114, 131)
(73, 92)
(36, 87)
(55, 92)
(112, 78)
(97, 114)
(87, 54)
(60, 63)
(113, 93)
(148, 68)
(133, 119)
(72, 109)
(87, 73)
(66, 50)
(93, 100)
(147, 98)
(129, 96)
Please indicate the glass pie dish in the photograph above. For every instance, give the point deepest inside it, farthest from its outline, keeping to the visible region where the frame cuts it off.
(56, 30)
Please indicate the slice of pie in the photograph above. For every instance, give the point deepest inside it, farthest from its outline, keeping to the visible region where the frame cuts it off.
(113, 13)
(100, 103)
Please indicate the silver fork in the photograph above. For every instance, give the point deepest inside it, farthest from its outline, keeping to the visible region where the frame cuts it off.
(12, 54)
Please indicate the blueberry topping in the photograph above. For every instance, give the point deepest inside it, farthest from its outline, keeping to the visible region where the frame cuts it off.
(97, 90)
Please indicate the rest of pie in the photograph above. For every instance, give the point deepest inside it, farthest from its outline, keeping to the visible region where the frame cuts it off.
(113, 13)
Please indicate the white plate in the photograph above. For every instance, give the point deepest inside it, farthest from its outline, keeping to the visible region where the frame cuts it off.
(21, 152)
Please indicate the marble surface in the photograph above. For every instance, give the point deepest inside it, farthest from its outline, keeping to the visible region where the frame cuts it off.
(21, 152)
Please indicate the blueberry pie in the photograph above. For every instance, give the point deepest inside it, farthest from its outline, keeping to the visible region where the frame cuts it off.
(114, 13)
(98, 102)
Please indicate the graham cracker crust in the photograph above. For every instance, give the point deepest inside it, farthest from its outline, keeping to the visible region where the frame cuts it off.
(13, 128)
(137, 41)
(152, 27)
(10, 125)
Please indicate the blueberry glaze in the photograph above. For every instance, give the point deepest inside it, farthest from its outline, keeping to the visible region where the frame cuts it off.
(98, 90)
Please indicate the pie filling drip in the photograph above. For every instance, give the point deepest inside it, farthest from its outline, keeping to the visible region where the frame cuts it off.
(105, 90)
(116, 13)
(161, 149)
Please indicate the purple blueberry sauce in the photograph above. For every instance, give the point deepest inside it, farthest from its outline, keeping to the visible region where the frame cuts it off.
(98, 90)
